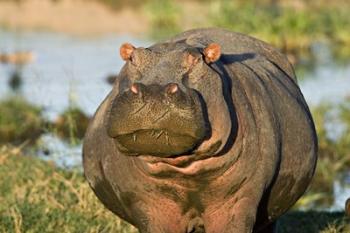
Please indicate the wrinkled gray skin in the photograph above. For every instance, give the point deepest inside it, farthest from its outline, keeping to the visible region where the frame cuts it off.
(237, 144)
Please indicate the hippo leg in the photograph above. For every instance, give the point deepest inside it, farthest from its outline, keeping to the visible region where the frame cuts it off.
(233, 216)
(243, 216)
(165, 218)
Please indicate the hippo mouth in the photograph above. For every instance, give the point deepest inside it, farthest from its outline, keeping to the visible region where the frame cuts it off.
(156, 142)
(183, 160)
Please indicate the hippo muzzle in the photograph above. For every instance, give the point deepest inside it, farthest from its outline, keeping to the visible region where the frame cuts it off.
(160, 120)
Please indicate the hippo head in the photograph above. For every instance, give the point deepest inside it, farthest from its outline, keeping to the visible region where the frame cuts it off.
(168, 102)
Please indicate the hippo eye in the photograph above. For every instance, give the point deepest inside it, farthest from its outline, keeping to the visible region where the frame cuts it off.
(191, 60)
(140, 58)
(196, 74)
(132, 59)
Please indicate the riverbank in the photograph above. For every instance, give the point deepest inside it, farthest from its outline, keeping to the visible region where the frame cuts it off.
(79, 17)
(36, 196)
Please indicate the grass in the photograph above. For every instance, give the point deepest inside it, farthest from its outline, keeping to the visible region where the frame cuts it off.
(314, 222)
(38, 197)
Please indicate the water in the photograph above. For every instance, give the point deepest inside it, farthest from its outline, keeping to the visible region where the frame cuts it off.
(66, 71)
(72, 71)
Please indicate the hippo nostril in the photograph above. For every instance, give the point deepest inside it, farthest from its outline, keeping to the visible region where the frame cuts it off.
(135, 88)
(172, 88)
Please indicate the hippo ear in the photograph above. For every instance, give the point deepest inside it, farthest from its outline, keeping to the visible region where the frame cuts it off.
(126, 51)
(212, 53)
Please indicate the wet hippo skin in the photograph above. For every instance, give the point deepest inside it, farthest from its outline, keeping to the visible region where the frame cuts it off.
(205, 132)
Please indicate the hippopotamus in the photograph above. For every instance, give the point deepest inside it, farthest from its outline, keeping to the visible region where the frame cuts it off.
(207, 131)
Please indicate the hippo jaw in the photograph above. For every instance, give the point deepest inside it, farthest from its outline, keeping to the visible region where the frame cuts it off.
(157, 142)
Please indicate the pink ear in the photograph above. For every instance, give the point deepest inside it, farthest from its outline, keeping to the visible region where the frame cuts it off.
(212, 52)
(126, 51)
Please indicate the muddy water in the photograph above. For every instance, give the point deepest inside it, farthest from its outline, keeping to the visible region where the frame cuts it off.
(71, 71)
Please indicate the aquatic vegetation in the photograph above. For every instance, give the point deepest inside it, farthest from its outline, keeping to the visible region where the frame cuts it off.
(36, 196)
(71, 124)
(334, 153)
(20, 121)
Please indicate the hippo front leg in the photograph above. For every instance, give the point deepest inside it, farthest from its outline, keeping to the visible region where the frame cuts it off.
(163, 216)
(235, 216)
(243, 216)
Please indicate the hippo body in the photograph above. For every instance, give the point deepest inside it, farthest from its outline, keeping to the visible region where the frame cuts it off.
(205, 132)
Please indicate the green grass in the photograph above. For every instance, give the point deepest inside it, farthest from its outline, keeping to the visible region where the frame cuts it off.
(36, 196)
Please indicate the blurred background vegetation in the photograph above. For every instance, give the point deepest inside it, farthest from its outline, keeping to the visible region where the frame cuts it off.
(39, 196)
